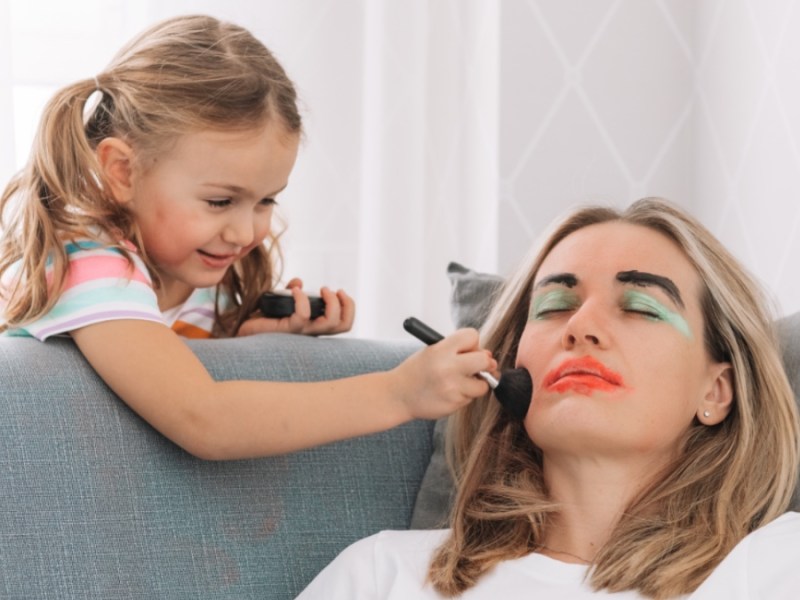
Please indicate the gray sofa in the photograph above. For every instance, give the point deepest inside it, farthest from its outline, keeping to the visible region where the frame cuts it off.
(95, 504)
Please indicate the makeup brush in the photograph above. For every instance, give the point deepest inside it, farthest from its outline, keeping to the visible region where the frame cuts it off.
(515, 387)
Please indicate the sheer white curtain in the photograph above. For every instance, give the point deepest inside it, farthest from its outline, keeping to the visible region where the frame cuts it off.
(6, 102)
(397, 174)
(429, 166)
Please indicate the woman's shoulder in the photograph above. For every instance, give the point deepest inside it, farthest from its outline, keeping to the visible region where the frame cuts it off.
(780, 535)
(413, 545)
(783, 530)
(765, 564)
(390, 564)
(788, 519)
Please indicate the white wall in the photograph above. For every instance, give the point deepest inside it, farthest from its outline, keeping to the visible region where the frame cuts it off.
(747, 127)
(696, 101)
(443, 130)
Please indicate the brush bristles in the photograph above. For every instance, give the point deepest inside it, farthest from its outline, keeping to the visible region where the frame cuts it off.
(514, 392)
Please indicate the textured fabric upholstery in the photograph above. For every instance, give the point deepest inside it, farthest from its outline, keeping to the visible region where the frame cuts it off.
(95, 504)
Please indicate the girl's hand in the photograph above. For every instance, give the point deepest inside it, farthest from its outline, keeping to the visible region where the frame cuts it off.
(338, 318)
(441, 378)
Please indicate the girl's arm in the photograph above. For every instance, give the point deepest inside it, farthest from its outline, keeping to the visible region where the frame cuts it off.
(159, 377)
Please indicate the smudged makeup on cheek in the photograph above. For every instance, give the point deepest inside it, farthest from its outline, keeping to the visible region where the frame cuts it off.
(655, 311)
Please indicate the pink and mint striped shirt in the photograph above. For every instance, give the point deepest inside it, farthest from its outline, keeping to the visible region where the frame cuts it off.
(102, 286)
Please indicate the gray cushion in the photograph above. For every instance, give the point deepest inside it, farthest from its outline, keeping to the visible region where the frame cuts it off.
(95, 504)
(472, 295)
(471, 299)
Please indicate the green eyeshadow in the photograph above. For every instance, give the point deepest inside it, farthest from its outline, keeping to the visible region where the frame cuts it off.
(639, 301)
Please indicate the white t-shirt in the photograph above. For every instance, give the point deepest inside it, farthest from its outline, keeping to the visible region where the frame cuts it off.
(392, 565)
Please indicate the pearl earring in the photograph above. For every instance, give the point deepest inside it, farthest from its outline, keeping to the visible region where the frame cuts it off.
(706, 414)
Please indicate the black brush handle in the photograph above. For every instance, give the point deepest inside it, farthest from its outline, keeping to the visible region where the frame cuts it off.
(421, 331)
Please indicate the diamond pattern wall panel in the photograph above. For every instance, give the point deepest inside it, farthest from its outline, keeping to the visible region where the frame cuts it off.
(696, 101)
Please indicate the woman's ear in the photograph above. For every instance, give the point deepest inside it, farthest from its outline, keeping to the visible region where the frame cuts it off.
(717, 402)
(116, 163)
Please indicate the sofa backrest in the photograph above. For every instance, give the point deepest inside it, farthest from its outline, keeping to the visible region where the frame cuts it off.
(95, 504)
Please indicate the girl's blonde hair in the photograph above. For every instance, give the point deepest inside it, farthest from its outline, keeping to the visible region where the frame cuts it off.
(728, 480)
(183, 75)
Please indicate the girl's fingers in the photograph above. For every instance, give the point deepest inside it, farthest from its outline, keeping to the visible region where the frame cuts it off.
(462, 340)
(339, 314)
(333, 308)
(302, 311)
(348, 311)
(294, 282)
(338, 317)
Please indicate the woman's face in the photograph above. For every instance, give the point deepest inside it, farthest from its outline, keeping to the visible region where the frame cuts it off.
(614, 343)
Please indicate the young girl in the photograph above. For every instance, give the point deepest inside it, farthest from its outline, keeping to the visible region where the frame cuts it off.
(145, 216)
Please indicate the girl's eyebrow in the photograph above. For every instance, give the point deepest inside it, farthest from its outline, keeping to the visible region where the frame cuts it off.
(236, 189)
(649, 279)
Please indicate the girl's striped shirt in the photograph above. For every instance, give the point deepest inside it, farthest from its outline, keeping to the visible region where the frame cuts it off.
(102, 285)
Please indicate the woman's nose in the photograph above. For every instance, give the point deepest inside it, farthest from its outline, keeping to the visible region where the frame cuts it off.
(585, 327)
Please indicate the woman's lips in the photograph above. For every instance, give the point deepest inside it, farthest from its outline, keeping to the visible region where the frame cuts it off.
(583, 375)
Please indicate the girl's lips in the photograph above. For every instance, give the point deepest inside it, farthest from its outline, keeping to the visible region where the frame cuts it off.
(217, 261)
(583, 375)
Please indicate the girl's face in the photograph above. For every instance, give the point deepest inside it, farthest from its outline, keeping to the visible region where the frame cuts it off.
(615, 346)
(208, 202)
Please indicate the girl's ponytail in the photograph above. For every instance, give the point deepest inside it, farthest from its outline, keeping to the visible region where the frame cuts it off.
(57, 196)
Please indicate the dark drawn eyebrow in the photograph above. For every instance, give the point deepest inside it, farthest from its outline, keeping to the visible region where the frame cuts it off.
(649, 279)
(566, 279)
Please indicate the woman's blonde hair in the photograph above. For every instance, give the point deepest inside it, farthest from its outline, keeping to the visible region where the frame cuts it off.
(728, 480)
(183, 75)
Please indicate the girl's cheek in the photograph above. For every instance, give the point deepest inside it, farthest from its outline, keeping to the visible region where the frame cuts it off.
(258, 240)
(263, 231)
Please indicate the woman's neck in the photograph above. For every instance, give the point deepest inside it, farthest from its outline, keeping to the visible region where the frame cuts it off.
(593, 494)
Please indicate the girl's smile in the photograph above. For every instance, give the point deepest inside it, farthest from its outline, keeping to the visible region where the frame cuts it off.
(218, 261)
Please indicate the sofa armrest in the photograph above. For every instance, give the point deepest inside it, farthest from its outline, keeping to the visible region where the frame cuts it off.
(94, 503)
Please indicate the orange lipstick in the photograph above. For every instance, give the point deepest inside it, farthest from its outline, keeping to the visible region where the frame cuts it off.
(583, 375)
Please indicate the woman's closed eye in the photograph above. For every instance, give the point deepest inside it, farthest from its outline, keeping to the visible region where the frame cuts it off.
(642, 304)
(552, 303)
